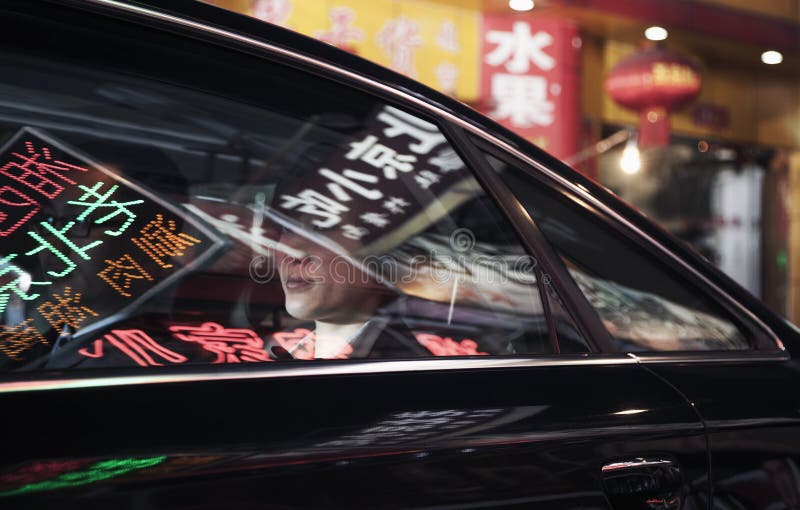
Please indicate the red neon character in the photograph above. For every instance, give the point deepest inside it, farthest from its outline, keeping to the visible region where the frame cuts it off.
(38, 471)
(447, 346)
(34, 169)
(137, 345)
(229, 344)
(16, 209)
(301, 344)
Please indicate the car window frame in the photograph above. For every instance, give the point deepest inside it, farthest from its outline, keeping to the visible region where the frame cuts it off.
(590, 327)
(246, 43)
(760, 337)
(447, 130)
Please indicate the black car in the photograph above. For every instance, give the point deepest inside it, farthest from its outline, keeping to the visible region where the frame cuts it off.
(243, 269)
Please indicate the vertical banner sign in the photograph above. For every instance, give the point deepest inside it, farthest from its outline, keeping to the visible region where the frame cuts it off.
(530, 79)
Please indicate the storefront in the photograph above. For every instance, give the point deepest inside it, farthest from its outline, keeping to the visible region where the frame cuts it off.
(725, 176)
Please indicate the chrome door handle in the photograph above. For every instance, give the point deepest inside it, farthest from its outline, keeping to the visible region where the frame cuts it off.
(635, 464)
(652, 483)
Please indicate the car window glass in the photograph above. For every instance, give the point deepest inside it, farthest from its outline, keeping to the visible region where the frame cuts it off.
(644, 305)
(151, 224)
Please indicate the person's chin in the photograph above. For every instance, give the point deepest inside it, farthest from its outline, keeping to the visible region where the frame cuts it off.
(299, 310)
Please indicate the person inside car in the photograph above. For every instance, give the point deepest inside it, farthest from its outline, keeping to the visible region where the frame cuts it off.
(351, 313)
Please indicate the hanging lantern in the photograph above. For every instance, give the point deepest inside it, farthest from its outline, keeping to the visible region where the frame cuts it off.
(654, 82)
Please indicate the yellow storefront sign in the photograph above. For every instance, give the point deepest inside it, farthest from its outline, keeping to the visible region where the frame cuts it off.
(435, 43)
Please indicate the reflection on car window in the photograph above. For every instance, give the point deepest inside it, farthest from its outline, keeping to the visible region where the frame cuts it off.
(644, 305)
(149, 225)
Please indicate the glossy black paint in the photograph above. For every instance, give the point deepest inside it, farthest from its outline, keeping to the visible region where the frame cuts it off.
(534, 436)
(751, 412)
(506, 438)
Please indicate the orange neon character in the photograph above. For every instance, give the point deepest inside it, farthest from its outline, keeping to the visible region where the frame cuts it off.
(66, 309)
(160, 241)
(121, 273)
(14, 340)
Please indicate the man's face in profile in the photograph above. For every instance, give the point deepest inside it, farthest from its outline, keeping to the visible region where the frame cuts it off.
(322, 286)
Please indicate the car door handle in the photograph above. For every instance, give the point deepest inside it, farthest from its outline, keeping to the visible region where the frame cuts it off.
(643, 483)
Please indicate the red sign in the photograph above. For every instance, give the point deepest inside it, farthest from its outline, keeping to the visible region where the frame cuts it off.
(530, 79)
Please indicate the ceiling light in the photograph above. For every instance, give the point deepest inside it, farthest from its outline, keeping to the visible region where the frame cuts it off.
(772, 57)
(656, 33)
(521, 5)
(631, 161)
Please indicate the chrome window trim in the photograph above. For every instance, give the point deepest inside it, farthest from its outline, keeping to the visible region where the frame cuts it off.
(205, 373)
(709, 357)
(399, 366)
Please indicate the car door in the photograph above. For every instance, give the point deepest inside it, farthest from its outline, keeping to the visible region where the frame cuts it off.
(751, 415)
(154, 356)
(704, 335)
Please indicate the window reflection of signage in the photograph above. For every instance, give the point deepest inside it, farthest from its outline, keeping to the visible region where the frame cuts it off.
(103, 470)
(530, 79)
(411, 426)
(81, 245)
(190, 343)
(187, 343)
(230, 345)
(447, 346)
(367, 196)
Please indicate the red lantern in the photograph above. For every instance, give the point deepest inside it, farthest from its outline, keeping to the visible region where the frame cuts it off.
(654, 82)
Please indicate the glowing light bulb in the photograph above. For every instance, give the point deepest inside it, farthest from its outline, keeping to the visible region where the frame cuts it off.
(521, 5)
(24, 282)
(630, 162)
(656, 33)
(772, 57)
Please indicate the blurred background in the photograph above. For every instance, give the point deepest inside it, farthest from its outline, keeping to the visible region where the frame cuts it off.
(687, 109)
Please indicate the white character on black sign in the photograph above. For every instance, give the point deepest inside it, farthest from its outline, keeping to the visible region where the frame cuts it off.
(339, 296)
